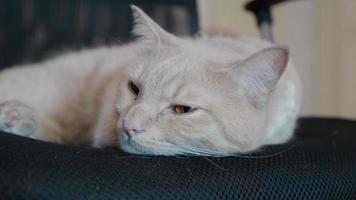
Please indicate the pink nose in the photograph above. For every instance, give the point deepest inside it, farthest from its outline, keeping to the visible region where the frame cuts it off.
(131, 131)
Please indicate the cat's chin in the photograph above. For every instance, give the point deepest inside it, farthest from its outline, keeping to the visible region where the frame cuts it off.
(143, 146)
(131, 145)
(135, 148)
(129, 148)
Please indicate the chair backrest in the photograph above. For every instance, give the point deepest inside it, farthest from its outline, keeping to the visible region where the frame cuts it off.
(32, 29)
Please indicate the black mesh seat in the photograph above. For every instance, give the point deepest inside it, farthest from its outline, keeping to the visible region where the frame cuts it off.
(320, 163)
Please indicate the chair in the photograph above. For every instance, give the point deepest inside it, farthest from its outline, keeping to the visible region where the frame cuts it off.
(319, 163)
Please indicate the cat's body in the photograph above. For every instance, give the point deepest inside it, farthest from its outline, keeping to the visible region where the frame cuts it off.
(160, 95)
(67, 92)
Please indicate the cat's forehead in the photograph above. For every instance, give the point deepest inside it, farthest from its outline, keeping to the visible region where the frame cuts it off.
(165, 63)
(169, 73)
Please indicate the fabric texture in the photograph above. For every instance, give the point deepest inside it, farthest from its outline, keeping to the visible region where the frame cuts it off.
(319, 163)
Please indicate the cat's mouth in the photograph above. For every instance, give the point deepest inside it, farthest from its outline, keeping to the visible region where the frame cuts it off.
(129, 144)
(138, 145)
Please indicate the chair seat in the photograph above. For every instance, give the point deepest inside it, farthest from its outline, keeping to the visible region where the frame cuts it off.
(319, 163)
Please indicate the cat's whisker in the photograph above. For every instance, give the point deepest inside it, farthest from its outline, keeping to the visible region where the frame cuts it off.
(200, 152)
(264, 156)
(174, 155)
(212, 162)
(128, 157)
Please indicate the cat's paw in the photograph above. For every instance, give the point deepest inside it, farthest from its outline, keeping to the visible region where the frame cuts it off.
(17, 118)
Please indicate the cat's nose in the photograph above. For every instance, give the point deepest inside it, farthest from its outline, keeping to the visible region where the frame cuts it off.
(131, 131)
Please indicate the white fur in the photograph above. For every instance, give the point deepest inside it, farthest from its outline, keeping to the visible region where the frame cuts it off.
(204, 73)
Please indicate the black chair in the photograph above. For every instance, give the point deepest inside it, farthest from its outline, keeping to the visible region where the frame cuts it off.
(319, 163)
(30, 30)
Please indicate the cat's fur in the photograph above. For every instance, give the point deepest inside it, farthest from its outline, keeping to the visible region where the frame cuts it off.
(242, 94)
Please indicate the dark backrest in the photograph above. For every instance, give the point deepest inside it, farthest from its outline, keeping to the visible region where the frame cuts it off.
(32, 29)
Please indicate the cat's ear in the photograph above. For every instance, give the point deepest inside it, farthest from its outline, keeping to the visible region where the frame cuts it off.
(260, 73)
(148, 30)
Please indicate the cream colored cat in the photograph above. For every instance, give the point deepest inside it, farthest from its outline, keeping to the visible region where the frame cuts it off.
(158, 95)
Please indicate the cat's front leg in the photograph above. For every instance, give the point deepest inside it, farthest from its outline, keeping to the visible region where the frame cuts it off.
(18, 118)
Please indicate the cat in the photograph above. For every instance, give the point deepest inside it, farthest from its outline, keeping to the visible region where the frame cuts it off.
(159, 95)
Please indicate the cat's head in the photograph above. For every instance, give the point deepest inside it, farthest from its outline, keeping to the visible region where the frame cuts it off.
(183, 96)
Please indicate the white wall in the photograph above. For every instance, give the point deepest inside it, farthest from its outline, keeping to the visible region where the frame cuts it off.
(321, 35)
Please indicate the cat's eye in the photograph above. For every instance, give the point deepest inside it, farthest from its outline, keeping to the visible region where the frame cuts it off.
(181, 109)
(133, 88)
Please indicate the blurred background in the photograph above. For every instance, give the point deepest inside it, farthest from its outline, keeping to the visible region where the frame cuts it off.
(320, 35)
